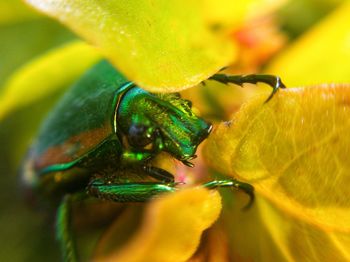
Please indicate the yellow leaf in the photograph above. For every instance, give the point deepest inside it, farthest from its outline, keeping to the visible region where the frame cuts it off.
(164, 45)
(172, 227)
(321, 55)
(295, 151)
(44, 75)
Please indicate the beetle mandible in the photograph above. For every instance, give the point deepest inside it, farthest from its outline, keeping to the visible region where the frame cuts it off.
(99, 140)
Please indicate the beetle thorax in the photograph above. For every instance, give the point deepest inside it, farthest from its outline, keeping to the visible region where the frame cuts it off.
(145, 118)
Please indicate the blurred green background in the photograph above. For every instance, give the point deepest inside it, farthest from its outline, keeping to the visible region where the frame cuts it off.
(26, 233)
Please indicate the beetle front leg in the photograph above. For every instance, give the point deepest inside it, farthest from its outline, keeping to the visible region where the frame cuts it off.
(64, 231)
(128, 192)
(245, 187)
(274, 81)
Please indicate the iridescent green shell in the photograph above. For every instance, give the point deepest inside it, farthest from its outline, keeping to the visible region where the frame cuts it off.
(79, 124)
(81, 120)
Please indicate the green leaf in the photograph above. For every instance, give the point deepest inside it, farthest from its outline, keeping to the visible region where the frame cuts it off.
(164, 45)
(24, 40)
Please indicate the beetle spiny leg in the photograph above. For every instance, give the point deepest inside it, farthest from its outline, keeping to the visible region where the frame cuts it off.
(129, 191)
(277, 85)
(274, 81)
(245, 187)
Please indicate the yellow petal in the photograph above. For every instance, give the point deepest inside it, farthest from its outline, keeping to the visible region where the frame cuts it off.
(267, 233)
(295, 151)
(172, 227)
(164, 45)
(44, 75)
(209, 250)
(321, 55)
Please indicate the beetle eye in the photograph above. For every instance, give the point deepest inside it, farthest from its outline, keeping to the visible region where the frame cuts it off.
(140, 135)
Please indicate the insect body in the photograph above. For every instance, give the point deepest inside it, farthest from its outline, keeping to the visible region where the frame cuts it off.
(100, 138)
(106, 124)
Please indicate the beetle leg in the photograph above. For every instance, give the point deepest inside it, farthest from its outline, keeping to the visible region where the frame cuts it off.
(63, 230)
(159, 174)
(246, 188)
(128, 192)
(274, 81)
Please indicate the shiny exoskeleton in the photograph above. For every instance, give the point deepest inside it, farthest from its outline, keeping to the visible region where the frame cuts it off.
(101, 137)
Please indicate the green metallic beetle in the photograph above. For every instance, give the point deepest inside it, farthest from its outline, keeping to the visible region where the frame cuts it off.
(101, 136)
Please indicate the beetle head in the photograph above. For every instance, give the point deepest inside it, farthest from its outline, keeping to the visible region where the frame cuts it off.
(164, 121)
